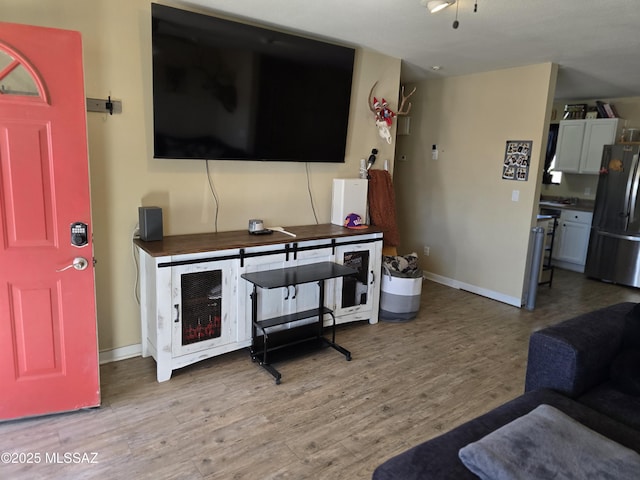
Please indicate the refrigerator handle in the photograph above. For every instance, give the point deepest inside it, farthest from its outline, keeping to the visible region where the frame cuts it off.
(634, 192)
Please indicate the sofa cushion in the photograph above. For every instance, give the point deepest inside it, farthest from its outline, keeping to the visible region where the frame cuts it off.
(438, 458)
(546, 443)
(609, 400)
(625, 372)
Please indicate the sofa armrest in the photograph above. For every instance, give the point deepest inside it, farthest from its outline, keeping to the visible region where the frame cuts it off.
(574, 356)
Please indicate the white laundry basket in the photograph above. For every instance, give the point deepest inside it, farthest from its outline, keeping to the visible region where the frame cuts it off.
(400, 297)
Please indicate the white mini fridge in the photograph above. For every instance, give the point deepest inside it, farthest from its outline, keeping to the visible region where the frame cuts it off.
(349, 196)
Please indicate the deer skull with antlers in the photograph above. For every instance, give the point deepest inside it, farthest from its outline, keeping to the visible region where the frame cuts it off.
(384, 115)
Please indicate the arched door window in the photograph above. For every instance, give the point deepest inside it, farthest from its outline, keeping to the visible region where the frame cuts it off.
(17, 77)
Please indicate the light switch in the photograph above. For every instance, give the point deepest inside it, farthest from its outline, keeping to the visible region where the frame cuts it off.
(515, 195)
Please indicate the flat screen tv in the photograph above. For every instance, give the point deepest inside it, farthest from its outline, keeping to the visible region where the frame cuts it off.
(231, 91)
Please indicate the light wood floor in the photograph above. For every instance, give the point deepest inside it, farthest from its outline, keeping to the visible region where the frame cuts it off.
(224, 418)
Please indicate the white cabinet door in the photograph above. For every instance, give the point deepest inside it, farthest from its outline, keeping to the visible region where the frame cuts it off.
(270, 302)
(598, 133)
(204, 302)
(308, 294)
(357, 297)
(573, 239)
(580, 144)
(286, 300)
(569, 149)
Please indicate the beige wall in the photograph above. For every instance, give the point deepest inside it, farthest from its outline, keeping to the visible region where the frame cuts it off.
(574, 185)
(117, 56)
(459, 205)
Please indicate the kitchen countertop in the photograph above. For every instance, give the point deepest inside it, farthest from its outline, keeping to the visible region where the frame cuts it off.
(560, 204)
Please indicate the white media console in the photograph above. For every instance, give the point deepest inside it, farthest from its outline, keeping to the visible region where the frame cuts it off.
(194, 303)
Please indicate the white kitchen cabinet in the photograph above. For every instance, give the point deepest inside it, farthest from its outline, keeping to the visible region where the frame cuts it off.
(194, 304)
(572, 240)
(580, 144)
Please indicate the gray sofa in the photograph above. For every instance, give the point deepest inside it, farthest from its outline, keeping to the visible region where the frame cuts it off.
(579, 366)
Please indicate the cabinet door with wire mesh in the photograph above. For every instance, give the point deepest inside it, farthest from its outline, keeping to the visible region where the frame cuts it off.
(355, 296)
(204, 299)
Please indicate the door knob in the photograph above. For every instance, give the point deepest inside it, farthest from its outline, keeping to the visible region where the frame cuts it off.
(79, 263)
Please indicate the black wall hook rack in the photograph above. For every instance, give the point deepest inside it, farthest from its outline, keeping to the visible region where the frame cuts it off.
(104, 105)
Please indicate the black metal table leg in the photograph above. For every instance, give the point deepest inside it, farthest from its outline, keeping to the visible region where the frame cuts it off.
(332, 343)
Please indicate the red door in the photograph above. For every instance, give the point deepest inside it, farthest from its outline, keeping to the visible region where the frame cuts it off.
(48, 340)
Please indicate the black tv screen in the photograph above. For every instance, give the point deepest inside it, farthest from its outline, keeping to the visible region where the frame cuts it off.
(230, 91)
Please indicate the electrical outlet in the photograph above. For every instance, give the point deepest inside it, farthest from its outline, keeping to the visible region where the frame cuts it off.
(426, 251)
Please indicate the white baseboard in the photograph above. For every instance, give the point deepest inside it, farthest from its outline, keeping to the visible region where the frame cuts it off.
(130, 351)
(449, 282)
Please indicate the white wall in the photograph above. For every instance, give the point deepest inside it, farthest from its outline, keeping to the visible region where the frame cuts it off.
(459, 205)
(117, 56)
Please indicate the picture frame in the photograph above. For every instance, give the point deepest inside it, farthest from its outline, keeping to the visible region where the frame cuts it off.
(517, 159)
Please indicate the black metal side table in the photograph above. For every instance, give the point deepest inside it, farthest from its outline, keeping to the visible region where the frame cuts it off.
(290, 277)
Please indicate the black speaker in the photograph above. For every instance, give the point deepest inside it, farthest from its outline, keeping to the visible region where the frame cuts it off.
(150, 219)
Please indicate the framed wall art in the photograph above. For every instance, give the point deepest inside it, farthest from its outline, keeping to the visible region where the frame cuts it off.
(517, 159)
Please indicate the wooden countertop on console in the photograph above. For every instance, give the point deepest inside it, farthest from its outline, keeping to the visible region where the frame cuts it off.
(208, 242)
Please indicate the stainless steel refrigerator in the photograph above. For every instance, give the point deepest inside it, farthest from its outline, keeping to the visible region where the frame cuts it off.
(614, 243)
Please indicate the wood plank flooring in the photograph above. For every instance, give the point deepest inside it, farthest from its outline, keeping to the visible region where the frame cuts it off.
(224, 418)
